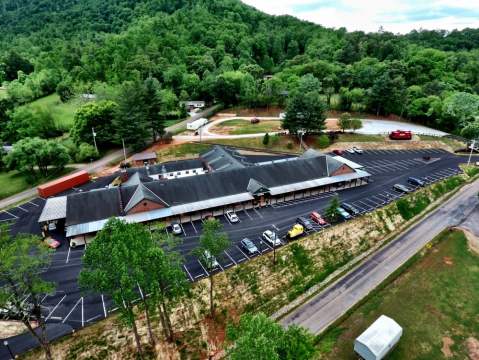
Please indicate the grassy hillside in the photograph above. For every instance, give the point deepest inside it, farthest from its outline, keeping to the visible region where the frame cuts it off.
(63, 113)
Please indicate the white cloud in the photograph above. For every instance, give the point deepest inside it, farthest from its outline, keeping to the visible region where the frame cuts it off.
(394, 15)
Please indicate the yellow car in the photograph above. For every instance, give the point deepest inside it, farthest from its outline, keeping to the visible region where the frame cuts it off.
(295, 231)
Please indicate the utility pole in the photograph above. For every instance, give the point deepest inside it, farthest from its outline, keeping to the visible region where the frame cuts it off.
(124, 150)
(94, 137)
(301, 133)
(472, 149)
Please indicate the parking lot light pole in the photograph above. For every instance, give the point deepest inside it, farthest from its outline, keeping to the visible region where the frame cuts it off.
(472, 149)
(8, 348)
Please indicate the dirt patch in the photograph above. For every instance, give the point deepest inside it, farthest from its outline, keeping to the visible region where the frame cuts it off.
(11, 328)
(266, 111)
(447, 342)
(472, 240)
(472, 345)
(448, 260)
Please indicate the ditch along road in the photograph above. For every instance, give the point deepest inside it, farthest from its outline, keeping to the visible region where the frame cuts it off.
(323, 309)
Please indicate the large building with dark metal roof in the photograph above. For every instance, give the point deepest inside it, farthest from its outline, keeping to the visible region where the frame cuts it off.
(227, 181)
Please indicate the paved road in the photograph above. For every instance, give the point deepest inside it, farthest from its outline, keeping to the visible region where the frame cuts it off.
(329, 305)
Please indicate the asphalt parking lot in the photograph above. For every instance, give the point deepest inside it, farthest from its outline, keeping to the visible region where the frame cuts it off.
(388, 167)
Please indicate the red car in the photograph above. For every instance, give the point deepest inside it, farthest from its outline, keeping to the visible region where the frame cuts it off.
(254, 120)
(52, 243)
(400, 135)
(338, 152)
(316, 217)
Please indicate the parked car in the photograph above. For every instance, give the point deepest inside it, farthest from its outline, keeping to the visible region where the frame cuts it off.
(232, 217)
(305, 222)
(271, 238)
(401, 188)
(296, 231)
(357, 150)
(343, 213)
(400, 135)
(211, 262)
(80, 240)
(52, 243)
(338, 152)
(350, 209)
(249, 246)
(176, 229)
(254, 120)
(318, 219)
(415, 181)
(351, 150)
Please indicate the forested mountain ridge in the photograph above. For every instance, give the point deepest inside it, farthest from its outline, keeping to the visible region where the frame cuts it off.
(221, 50)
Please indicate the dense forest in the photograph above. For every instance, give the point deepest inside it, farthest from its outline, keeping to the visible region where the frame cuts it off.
(225, 51)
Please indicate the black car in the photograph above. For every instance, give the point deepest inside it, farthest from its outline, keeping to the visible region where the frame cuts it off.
(350, 209)
(307, 224)
(415, 181)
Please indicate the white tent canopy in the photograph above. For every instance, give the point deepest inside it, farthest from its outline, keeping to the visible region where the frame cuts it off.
(378, 339)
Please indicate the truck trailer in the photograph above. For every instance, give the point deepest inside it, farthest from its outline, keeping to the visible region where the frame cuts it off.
(62, 184)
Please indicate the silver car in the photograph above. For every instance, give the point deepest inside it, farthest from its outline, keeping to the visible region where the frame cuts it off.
(249, 246)
(271, 238)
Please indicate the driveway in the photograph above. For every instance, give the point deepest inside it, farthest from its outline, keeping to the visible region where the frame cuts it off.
(370, 127)
(330, 304)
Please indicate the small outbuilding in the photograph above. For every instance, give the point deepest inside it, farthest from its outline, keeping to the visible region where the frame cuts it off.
(378, 339)
(147, 158)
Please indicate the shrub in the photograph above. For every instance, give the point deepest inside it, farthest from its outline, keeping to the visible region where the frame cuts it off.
(266, 139)
(323, 141)
(289, 145)
(86, 152)
(301, 259)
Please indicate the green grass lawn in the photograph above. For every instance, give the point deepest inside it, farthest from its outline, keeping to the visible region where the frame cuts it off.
(241, 126)
(257, 143)
(436, 298)
(352, 137)
(182, 150)
(62, 113)
(13, 182)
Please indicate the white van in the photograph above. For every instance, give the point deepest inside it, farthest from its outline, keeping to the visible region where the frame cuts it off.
(81, 240)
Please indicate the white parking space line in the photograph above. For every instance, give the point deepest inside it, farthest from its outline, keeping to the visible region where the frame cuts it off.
(9, 213)
(194, 227)
(257, 212)
(247, 257)
(104, 307)
(68, 255)
(56, 306)
(230, 258)
(267, 245)
(82, 313)
(247, 214)
(93, 318)
(19, 207)
(73, 308)
(206, 272)
(31, 202)
(183, 229)
(186, 269)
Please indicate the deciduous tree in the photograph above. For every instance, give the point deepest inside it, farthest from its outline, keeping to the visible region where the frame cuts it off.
(213, 241)
(23, 259)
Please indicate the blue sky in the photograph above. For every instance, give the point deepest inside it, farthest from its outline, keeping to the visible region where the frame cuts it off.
(399, 16)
